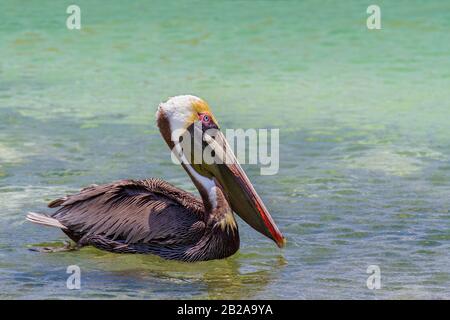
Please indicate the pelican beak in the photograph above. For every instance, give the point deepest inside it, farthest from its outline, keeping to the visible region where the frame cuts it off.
(243, 198)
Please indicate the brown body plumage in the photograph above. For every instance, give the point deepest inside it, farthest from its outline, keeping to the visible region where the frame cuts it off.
(148, 216)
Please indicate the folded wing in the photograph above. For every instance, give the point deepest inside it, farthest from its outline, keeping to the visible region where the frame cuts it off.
(133, 212)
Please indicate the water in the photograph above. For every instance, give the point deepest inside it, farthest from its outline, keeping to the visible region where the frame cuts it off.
(365, 140)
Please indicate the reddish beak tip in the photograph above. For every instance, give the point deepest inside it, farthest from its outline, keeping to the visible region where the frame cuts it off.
(281, 243)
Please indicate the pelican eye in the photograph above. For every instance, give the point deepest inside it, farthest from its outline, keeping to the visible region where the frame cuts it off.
(204, 118)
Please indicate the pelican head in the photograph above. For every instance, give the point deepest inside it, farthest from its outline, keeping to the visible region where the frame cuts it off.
(188, 115)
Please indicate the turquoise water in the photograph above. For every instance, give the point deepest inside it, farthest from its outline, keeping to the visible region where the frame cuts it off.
(365, 140)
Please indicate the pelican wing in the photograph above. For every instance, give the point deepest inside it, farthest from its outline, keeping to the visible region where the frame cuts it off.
(143, 211)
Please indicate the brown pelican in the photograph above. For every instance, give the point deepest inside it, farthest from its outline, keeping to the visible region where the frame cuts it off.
(152, 216)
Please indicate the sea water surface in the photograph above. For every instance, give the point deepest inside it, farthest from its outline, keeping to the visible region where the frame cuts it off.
(364, 118)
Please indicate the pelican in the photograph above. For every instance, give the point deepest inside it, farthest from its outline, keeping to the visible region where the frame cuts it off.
(152, 216)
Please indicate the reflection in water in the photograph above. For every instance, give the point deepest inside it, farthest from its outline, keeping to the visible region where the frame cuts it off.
(230, 282)
(150, 277)
(216, 279)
